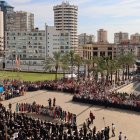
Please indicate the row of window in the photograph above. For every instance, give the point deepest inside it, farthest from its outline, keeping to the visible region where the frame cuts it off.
(22, 38)
(30, 34)
(25, 62)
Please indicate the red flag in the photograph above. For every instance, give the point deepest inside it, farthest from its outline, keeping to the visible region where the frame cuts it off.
(17, 60)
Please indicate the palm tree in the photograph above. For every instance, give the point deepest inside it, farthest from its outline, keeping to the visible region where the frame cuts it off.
(65, 63)
(53, 62)
(71, 56)
(114, 67)
(78, 62)
(126, 61)
(88, 63)
(101, 66)
(95, 65)
(130, 62)
(122, 61)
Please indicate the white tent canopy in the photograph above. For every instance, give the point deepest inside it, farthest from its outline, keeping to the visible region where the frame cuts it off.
(70, 76)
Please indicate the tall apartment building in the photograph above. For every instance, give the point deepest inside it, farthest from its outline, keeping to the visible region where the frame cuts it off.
(120, 37)
(65, 19)
(1, 32)
(102, 36)
(9, 16)
(85, 39)
(56, 41)
(24, 21)
(29, 46)
(135, 38)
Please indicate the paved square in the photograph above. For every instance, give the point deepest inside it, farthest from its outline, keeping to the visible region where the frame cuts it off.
(126, 121)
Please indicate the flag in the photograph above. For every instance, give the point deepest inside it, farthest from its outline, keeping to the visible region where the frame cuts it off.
(17, 60)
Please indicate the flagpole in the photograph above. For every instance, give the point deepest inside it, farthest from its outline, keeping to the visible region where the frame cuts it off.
(18, 65)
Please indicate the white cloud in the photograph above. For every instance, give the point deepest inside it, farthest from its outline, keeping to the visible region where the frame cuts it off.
(121, 9)
(18, 1)
(43, 11)
(115, 13)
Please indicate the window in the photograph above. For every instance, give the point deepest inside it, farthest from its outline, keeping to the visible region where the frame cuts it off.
(95, 48)
(95, 53)
(110, 54)
(62, 51)
(109, 48)
(102, 53)
(34, 63)
(61, 47)
(66, 47)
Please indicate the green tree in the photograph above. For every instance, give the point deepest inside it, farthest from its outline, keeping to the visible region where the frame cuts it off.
(65, 63)
(88, 63)
(71, 59)
(53, 63)
(78, 62)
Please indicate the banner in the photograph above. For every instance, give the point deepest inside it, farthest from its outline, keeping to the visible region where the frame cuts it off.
(1, 89)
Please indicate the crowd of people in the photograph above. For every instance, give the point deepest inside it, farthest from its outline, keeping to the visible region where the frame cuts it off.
(18, 126)
(24, 127)
(116, 100)
(91, 92)
(56, 112)
(11, 88)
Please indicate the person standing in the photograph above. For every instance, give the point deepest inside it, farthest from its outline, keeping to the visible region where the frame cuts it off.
(120, 136)
(54, 100)
(113, 130)
(10, 107)
(50, 102)
(17, 108)
(125, 138)
(92, 117)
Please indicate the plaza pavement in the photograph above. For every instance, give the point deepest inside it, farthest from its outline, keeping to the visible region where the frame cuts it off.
(125, 121)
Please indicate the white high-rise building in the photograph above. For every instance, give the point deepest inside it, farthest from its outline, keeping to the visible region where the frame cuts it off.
(56, 41)
(29, 46)
(1, 31)
(65, 19)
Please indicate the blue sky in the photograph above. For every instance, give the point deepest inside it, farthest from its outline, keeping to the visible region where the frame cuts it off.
(111, 15)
